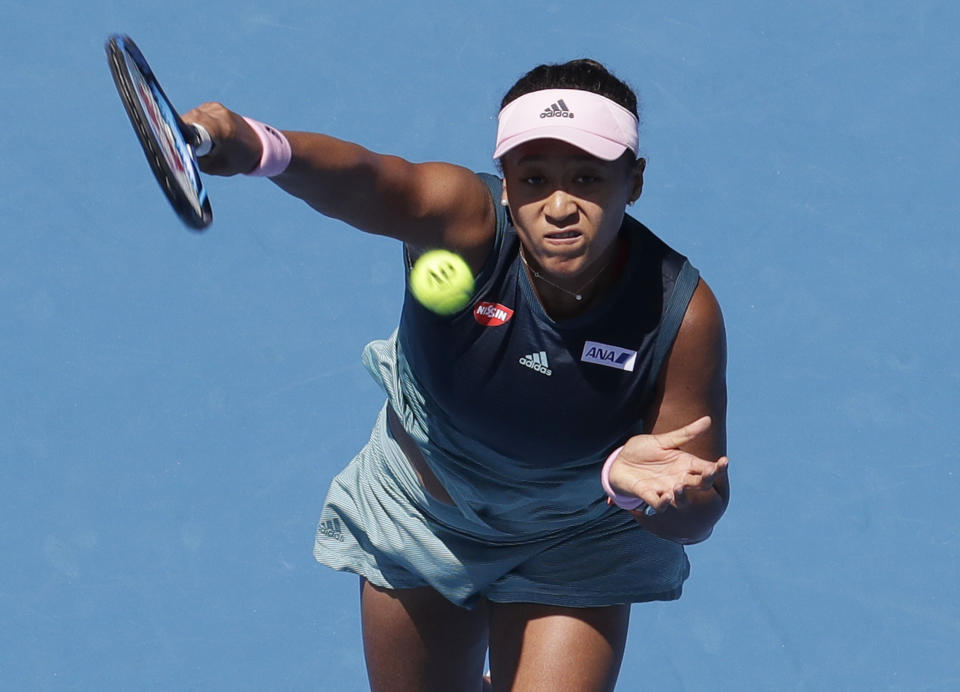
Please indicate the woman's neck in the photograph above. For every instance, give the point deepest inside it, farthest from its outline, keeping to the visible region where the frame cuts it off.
(576, 297)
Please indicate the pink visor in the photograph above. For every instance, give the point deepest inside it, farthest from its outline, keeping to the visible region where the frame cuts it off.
(584, 119)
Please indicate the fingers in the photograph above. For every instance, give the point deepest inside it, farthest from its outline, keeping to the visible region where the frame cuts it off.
(675, 439)
(656, 499)
(674, 488)
(700, 476)
(655, 468)
(654, 503)
(236, 149)
(213, 117)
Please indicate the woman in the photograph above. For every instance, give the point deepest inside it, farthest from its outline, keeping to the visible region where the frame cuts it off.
(476, 515)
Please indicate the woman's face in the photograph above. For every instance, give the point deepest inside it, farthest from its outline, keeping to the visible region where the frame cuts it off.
(567, 205)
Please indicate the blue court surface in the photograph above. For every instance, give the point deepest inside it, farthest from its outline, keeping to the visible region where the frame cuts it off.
(173, 405)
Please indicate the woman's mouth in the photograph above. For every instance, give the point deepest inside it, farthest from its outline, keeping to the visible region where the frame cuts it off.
(563, 235)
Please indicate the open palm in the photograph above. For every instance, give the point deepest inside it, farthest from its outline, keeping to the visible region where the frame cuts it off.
(655, 469)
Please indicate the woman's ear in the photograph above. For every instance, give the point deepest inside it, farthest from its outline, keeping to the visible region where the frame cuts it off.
(637, 174)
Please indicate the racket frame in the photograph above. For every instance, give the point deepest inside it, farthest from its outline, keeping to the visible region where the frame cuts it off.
(168, 143)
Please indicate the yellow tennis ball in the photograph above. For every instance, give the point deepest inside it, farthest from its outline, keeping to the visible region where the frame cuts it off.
(441, 281)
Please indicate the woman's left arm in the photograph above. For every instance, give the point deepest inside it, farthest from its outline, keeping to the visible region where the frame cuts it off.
(679, 468)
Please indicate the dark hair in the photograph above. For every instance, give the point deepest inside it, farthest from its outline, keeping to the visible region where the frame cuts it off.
(584, 74)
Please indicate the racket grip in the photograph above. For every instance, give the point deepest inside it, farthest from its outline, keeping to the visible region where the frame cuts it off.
(200, 140)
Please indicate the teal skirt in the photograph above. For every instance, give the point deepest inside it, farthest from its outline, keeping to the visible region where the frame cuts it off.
(379, 523)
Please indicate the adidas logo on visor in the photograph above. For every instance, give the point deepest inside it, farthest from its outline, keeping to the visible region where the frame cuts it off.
(557, 110)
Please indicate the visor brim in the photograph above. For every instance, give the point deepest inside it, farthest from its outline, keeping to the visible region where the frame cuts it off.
(595, 145)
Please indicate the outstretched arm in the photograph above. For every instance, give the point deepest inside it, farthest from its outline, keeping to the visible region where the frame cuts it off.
(679, 468)
(424, 205)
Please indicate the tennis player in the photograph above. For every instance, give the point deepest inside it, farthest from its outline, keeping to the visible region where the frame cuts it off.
(586, 376)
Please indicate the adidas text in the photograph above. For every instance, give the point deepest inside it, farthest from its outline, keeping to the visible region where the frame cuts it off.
(331, 529)
(557, 110)
(538, 362)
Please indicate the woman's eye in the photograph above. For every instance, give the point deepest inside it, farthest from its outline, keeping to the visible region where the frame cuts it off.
(534, 179)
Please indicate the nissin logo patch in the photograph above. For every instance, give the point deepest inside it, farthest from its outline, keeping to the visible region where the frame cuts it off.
(492, 314)
(611, 356)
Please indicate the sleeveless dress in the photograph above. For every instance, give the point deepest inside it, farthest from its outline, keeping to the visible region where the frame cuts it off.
(514, 413)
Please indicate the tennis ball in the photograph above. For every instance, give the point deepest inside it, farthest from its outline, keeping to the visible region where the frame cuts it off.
(441, 281)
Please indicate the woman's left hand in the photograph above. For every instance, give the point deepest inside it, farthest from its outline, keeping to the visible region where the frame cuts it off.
(655, 469)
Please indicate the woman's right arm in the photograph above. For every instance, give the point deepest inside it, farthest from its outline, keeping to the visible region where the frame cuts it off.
(425, 205)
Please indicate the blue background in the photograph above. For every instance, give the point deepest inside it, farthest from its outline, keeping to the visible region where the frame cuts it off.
(173, 406)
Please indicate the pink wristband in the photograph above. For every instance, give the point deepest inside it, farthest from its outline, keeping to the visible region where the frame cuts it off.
(276, 150)
(621, 501)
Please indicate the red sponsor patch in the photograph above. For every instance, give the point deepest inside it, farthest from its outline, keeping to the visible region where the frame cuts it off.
(492, 314)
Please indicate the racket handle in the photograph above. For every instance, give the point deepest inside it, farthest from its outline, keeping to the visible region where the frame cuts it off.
(200, 139)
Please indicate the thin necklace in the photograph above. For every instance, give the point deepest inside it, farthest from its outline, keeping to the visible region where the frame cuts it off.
(578, 294)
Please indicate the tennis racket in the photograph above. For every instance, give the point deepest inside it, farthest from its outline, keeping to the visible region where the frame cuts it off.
(170, 145)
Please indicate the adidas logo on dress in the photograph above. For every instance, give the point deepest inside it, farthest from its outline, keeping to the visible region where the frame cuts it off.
(557, 110)
(537, 362)
(331, 529)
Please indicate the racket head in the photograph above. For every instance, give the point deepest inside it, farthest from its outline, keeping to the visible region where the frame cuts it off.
(166, 141)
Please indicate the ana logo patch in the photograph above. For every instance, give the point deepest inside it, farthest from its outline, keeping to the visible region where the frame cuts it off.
(611, 356)
(492, 314)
